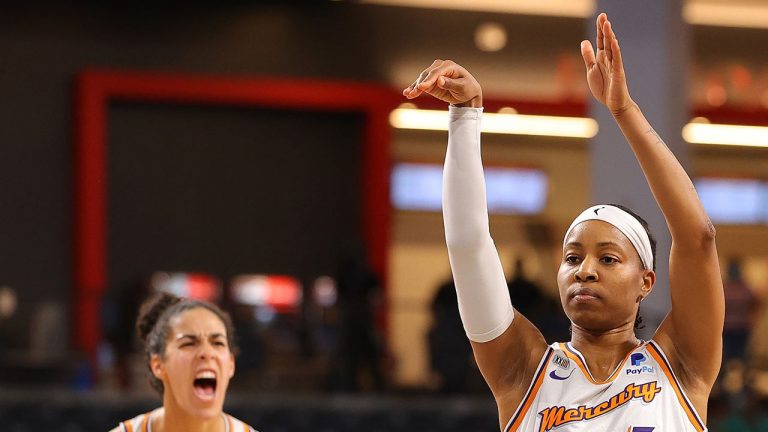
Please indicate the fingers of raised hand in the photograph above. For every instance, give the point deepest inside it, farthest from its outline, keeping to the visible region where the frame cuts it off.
(412, 90)
(617, 62)
(407, 91)
(588, 54)
(608, 40)
(428, 78)
(452, 85)
(415, 89)
(599, 25)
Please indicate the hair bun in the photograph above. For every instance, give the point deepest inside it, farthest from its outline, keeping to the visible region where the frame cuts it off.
(150, 313)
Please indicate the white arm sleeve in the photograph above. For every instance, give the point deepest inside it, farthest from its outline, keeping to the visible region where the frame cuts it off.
(484, 302)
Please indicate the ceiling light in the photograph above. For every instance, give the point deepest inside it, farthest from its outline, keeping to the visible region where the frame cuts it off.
(697, 12)
(515, 124)
(563, 8)
(490, 37)
(726, 15)
(725, 134)
(698, 131)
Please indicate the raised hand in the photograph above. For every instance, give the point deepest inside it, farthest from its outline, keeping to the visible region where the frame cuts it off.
(605, 72)
(449, 82)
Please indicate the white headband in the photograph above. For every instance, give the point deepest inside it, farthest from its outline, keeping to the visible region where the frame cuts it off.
(624, 222)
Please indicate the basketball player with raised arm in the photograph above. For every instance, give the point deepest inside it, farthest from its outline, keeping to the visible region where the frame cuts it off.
(604, 378)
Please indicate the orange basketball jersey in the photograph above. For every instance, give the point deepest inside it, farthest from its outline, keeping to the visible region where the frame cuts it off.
(642, 395)
(142, 423)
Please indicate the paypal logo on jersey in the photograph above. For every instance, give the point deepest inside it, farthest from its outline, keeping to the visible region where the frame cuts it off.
(636, 359)
(640, 370)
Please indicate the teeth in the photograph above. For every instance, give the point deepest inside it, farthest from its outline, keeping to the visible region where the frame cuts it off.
(205, 374)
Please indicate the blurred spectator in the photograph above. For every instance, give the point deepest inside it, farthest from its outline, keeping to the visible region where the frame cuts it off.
(757, 361)
(732, 422)
(739, 306)
(758, 349)
(526, 295)
(450, 352)
(323, 315)
(119, 317)
(760, 421)
(361, 350)
(543, 311)
(251, 359)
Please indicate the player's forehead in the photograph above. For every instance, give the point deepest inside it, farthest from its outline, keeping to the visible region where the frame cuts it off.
(197, 321)
(596, 233)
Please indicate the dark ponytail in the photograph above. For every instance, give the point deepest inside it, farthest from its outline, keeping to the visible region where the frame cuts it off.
(150, 313)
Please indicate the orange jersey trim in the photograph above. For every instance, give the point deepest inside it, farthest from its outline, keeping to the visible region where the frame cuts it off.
(145, 423)
(577, 358)
(234, 422)
(657, 354)
(538, 379)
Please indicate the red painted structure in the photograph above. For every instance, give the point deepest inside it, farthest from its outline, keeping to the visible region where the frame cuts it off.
(95, 91)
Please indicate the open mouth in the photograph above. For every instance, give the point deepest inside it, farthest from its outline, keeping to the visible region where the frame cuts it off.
(205, 385)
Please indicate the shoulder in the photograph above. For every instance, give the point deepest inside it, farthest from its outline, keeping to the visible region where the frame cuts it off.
(237, 425)
(528, 381)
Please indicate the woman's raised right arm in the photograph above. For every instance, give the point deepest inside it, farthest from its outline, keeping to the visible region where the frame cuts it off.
(506, 345)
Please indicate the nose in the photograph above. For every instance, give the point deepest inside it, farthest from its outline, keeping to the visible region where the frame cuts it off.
(586, 271)
(206, 351)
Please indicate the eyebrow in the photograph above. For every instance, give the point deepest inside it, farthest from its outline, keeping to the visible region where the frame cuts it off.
(195, 337)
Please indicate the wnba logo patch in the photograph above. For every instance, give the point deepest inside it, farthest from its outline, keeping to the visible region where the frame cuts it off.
(561, 361)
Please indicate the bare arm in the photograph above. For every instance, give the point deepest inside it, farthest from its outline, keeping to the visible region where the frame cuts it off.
(692, 331)
(506, 346)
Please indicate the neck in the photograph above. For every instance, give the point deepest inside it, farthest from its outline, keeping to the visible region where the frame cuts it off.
(604, 350)
(171, 418)
(611, 339)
